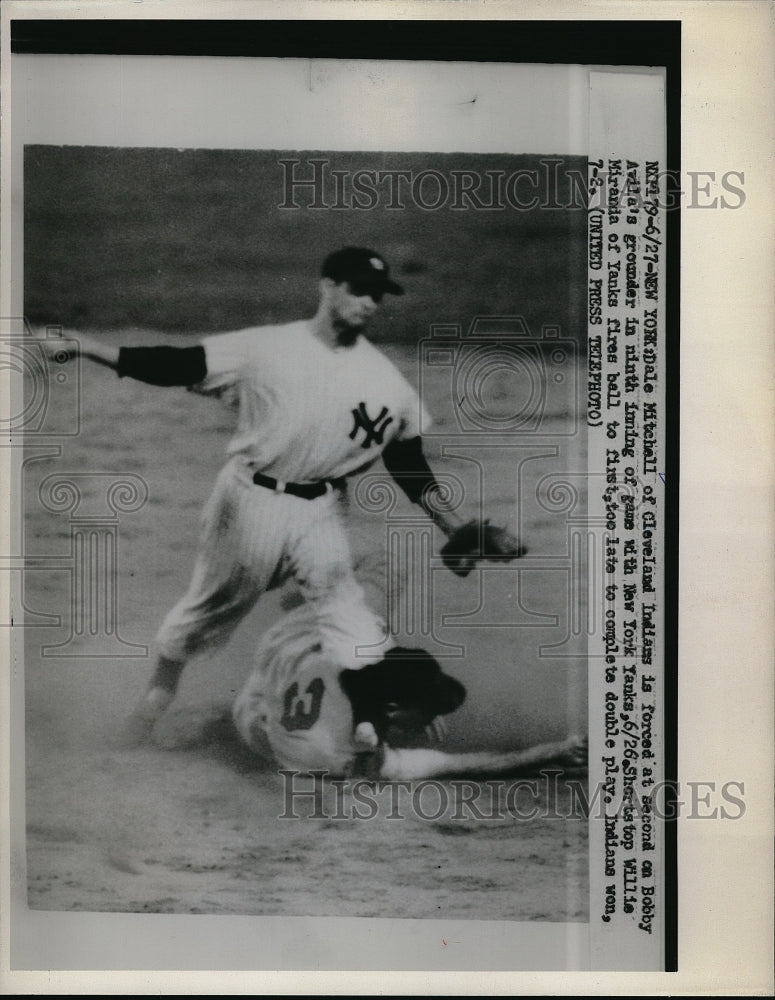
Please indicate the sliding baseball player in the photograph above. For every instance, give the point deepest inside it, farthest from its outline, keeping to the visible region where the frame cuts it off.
(315, 403)
(316, 701)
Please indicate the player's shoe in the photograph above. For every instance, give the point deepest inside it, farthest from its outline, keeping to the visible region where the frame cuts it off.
(137, 729)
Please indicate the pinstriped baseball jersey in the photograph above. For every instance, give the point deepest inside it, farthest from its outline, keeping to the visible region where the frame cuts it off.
(307, 411)
(294, 695)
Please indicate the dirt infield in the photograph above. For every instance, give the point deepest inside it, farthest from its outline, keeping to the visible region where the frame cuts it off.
(198, 831)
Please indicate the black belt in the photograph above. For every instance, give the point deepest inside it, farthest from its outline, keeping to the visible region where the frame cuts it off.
(307, 491)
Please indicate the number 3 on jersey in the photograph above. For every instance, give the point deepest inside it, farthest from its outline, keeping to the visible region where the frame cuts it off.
(300, 712)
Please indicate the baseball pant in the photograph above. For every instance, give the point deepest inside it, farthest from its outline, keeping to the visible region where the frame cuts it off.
(252, 540)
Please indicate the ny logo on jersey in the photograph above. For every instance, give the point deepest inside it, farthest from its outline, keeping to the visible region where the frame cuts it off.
(299, 718)
(374, 430)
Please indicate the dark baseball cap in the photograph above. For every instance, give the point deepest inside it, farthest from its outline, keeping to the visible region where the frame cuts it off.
(362, 268)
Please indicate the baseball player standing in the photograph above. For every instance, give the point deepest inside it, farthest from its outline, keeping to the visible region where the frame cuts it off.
(316, 402)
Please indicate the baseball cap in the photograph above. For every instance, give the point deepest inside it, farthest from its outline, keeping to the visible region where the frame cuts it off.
(363, 268)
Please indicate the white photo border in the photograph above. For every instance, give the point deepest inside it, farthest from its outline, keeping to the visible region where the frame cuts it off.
(738, 714)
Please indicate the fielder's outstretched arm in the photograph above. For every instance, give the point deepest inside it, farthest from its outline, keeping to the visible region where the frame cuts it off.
(406, 463)
(165, 366)
(88, 347)
(469, 542)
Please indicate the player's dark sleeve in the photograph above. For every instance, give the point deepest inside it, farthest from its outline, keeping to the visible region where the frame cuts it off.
(406, 463)
(163, 365)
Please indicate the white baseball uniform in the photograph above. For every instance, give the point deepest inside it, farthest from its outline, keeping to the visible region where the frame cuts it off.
(293, 696)
(293, 700)
(306, 413)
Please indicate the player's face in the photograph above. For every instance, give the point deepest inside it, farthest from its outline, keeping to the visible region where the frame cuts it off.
(352, 307)
(404, 726)
(406, 717)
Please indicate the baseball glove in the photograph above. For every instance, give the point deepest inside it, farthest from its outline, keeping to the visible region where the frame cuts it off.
(477, 540)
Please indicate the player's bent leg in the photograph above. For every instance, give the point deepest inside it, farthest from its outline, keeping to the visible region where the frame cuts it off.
(204, 619)
(202, 634)
(319, 557)
(240, 549)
